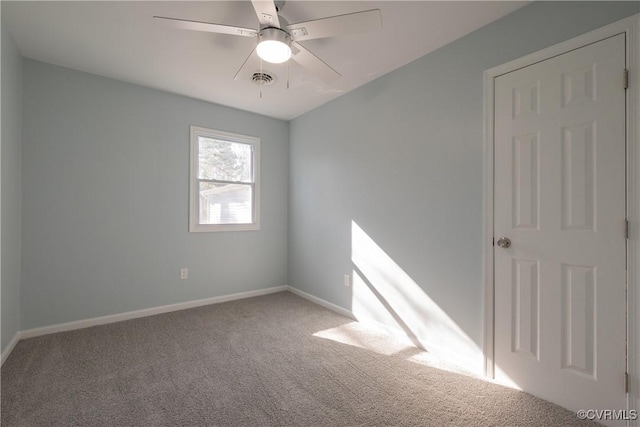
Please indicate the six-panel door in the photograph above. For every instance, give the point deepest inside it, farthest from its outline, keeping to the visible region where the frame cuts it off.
(560, 198)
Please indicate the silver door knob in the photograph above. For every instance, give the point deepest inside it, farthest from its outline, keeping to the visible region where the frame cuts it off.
(504, 242)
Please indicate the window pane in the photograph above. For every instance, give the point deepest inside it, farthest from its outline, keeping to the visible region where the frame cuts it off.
(225, 203)
(224, 160)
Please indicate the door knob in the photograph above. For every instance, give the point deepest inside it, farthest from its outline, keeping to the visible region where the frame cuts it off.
(504, 242)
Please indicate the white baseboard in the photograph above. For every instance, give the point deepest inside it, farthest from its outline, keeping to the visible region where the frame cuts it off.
(86, 323)
(113, 318)
(7, 351)
(321, 302)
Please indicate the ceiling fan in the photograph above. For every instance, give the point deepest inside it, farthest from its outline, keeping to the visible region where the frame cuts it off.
(277, 40)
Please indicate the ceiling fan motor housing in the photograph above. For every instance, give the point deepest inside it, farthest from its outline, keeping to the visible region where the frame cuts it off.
(274, 45)
(274, 33)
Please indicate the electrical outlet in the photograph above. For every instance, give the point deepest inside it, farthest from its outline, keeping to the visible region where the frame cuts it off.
(347, 280)
(184, 273)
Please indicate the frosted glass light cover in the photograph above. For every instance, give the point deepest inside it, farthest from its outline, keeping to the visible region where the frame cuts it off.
(273, 51)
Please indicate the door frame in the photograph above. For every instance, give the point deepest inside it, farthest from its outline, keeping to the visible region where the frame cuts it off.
(631, 28)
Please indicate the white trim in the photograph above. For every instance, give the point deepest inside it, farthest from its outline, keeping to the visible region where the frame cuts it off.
(194, 224)
(631, 27)
(12, 344)
(321, 302)
(487, 247)
(633, 214)
(113, 318)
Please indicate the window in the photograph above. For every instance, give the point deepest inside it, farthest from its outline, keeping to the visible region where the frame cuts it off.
(224, 193)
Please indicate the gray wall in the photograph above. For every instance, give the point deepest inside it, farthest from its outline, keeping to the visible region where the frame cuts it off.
(105, 200)
(11, 192)
(402, 157)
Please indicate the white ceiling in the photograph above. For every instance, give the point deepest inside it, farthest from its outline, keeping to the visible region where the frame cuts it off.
(120, 40)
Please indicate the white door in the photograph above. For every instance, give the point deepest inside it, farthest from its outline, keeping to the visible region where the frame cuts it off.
(560, 198)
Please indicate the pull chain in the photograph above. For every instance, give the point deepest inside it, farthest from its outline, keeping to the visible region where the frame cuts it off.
(261, 74)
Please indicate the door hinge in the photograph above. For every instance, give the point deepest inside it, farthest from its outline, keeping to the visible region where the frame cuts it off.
(626, 229)
(493, 241)
(625, 78)
(626, 382)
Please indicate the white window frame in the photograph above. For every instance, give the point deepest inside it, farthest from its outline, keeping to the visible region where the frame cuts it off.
(194, 194)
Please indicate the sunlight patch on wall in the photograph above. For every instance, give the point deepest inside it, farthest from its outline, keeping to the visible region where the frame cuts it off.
(383, 293)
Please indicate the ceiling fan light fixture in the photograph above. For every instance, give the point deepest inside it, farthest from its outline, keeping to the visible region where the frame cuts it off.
(274, 45)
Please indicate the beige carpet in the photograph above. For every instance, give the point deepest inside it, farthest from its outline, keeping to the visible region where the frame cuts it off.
(276, 360)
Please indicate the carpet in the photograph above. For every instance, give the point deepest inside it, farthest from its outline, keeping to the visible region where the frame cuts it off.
(264, 361)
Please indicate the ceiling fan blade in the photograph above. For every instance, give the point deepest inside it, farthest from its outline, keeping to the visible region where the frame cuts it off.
(267, 13)
(340, 25)
(244, 64)
(317, 66)
(207, 26)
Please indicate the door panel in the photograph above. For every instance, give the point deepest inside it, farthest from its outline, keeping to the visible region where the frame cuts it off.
(560, 198)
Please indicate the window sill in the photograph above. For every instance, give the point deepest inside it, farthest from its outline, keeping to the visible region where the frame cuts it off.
(210, 228)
